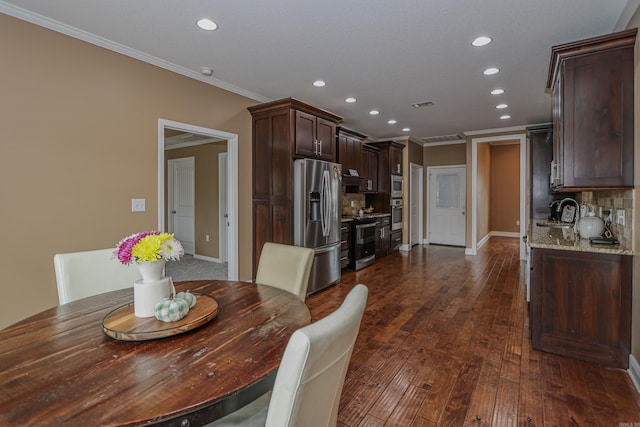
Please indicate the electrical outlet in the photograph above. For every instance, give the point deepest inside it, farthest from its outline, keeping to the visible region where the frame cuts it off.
(353, 203)
(620, 217)
(138, 205)
(517, 222)
(206, 238)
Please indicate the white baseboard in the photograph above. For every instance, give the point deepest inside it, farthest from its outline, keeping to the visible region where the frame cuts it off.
(634, 371)
(469, 251)
(505, 234)
(483, 241)
(405, 248)
(207, 258)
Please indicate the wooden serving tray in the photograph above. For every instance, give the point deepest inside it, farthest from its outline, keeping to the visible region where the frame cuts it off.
(122, 324)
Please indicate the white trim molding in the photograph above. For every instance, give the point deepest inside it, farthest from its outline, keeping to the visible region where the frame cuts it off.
(634, 371)
(208, 258)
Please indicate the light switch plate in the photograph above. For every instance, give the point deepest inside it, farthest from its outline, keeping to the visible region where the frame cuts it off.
(138, 205)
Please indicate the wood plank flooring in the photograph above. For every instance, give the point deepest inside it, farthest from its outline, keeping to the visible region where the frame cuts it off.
(445, 342)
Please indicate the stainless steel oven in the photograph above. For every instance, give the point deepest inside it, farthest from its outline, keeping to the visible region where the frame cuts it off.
(364, 242)
(396, 186)
(396, 214)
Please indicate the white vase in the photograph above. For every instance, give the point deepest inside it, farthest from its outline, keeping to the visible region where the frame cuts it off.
(151, 271)
(147, 295)
(152, 289)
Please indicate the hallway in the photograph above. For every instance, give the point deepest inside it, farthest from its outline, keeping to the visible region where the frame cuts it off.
(445, 342)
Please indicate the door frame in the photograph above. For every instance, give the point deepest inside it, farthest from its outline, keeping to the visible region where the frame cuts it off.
(416, 187)
(522, 138)
(429, 169)
(223, 221)
(171, 163)
(232, 183)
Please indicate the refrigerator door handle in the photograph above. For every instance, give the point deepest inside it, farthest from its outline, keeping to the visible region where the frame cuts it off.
(326, 204)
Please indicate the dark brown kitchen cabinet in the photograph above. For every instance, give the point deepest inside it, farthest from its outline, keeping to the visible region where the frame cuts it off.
(395, 241)
(592, 88)
(350, 150)
(369, 169)
(345, 244)
(383, 236)
(581, 305)
(315, 137)
(280, 131)
(389, 162)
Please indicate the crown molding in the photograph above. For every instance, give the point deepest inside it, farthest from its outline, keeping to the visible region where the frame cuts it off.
(85, 36)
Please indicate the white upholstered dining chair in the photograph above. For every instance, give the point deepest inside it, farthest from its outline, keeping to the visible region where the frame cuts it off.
(285, 267)
(83, 274)
(311, 375)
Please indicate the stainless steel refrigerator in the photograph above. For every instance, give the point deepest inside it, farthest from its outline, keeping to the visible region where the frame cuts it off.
(317, 208)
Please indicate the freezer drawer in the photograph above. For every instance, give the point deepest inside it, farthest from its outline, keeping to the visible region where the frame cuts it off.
(325, 270)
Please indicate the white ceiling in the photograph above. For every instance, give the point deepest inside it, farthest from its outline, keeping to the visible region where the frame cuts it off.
(387, 54)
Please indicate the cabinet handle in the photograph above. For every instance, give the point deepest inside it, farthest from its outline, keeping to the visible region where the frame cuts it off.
(315, 147)
(320, 154)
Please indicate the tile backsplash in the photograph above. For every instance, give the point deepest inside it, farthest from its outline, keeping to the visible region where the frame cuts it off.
(358, 200)
(613, 199)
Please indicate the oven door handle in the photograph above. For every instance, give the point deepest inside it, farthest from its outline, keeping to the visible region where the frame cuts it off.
(373, 224)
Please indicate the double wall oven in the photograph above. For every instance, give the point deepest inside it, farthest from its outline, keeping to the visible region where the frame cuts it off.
(396, 214)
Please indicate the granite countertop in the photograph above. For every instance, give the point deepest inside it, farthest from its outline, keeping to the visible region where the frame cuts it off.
(565, 239)
(347, 218)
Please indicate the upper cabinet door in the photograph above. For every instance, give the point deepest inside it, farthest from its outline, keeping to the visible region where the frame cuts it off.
(592, 84)
(326, 136)
(315, 137)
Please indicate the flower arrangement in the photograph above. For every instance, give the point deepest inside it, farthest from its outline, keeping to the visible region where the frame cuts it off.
(148, 246)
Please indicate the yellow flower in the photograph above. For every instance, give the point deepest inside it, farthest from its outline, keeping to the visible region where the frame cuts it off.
(149, 248)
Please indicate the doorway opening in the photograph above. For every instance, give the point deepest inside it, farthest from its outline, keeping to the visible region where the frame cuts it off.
(173, 135)
(518, 139)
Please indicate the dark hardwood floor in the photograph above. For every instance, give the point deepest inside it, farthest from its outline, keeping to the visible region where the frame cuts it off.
(445, 342)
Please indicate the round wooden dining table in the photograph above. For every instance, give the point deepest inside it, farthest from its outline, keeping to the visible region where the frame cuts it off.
(59, 368)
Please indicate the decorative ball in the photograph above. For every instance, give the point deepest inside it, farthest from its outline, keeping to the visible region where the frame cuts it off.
(187, 296)
(171, 309)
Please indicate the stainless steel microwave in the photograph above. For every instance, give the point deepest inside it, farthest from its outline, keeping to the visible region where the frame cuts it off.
(396, 186)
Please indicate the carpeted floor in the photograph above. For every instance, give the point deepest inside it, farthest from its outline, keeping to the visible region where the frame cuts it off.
(190, 268)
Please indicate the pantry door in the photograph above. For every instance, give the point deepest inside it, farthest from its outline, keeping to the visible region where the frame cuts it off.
(447, 199)
(181, 197)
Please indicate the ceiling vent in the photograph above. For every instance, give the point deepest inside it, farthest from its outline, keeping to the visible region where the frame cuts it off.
(422, 104)
(442, 138)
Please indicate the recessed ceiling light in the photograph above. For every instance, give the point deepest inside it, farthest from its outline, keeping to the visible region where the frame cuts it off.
(406, 129)
(374, 112)
(392, 122)
(319, 83)
(350, 100)
(497, 92)
(501, 106)
(505, 117)
(207, 24)
(481, 41)
(490, 71)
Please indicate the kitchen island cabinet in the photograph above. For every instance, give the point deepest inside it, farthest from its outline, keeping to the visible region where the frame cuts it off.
(581, 305)
(592, 85)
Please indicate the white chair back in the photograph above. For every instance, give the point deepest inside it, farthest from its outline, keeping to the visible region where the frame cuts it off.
(285, 267)
(311, 375)
(83, 274)
(309, 382)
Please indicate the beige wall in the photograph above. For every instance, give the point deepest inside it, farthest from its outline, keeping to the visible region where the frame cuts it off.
(79, 141)
(635, 311)
(505, 188)
(484, 191)
(445, 155)
(206, 194)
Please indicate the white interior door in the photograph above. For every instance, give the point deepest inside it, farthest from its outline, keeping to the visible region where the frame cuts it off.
(182, 202)
(223, 213)
(447, 211)
(415, 207)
